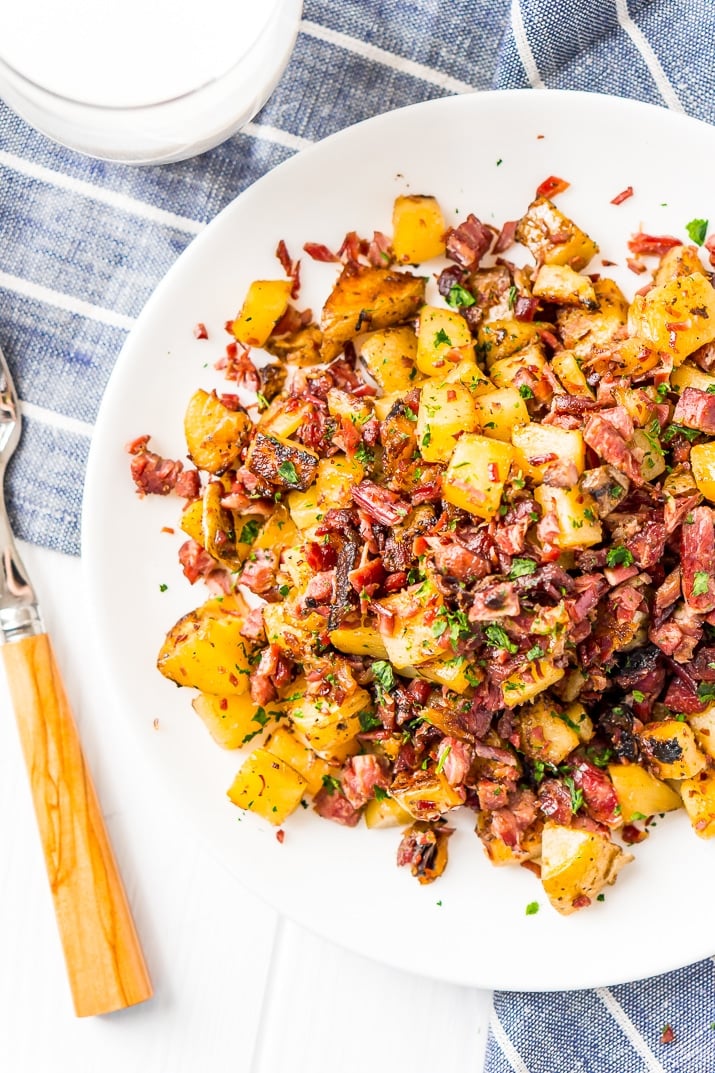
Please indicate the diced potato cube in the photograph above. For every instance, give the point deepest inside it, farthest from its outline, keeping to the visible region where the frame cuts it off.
(526, 684)
(337, 476)
(699, 801)
(530, 360)
(476, 474)
(279, 531)
(703, 723)
(576, 514)
(501, 338)
(537, 446)
(687, 375)
(653, 460)
(232, 720)
(412, 639)
(678, 261)
(454, 672)
(359, 641)
(323, 725)
(467, 372)
(295, 564)
(267, 786)
(389, 355)
(383, 405)
(425, 794)
(206, 650)
(214, 434)
(561, 284)
(677, 317)
(418, 229)
(641, 794)
(553, 238)
(284, 420)
(264, 305)
(544, 735)
(283, 631)
(634, 356)
(579, 719)
(386, 813)
(284, 745)
(192, 520)
(499, 411)
(365, 298)
(442, 332)
(285, 464)
(304, 509)
(673, 751)
(582, 329)
(702, 462)
(577, 865)
(565, 365)
(445, 412)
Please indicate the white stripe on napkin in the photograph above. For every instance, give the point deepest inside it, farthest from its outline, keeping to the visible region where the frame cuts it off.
(508, 1049)
(55, 420)
(388, 59)
(620, 1016)
(67, 302)
(523, 47)
(265, 132)
(98, 193)
(652, 62)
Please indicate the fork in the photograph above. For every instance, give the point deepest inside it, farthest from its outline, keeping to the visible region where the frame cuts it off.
(105, 964)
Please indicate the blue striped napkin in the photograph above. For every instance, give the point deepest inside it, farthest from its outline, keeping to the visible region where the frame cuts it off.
(84, 243)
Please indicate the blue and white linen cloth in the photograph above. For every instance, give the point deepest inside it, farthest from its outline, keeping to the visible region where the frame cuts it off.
(83, 243)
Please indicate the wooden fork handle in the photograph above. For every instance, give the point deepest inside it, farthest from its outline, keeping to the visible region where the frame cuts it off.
(105, 963)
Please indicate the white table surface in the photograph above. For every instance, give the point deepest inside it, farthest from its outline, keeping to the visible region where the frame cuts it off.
(237, 988)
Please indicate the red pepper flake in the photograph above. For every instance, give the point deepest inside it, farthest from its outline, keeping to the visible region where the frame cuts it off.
(667, 1034)
(200, 331)
(608, 264)
(493, 472)
(623, 196)
(280, 835)
(168, 529)
(451, 395)
(552, 186)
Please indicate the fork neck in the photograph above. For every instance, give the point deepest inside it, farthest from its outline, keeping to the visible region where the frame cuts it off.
(19, 613)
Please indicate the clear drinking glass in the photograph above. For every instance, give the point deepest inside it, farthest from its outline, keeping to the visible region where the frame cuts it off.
(143, 81)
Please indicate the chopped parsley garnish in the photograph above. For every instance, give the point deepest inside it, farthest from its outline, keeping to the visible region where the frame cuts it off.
(710, 389)
(458, 297)
(619, 556)
(442, 339)
(534, 653)
(513, 295)
(697, 230)
(638, 697)
(700, 582)
(261, 716)
(427, 437)
(576, 793)
(497, 637)
(368, 720)
(532, 908)
(706, 691)
(250, 531)
(384, 678)
(443, 759)
(525, 391)
(163, 587)
(284, 590)
(288, 472)
(331, 784)
(680, 430)
(380, 794)
(365, 455)
(456, 622)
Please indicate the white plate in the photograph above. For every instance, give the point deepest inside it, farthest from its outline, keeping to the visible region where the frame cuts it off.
(483, 153)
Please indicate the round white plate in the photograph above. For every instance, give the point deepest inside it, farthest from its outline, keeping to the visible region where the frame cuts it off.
(483, 153)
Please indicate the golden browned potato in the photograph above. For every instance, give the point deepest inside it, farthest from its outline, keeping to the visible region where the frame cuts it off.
(581, 329)
(232, 720)
(553, 238)
(282, 463)
(699, 801)
(425, 794)
(639, 793)
(365, 298)
(214, 434)
(686, 301)
(672, 750)
(561, 284)
(206, 650)
(576, 865)
(389, 355)
(678, 261)
(543, 734)
(418, 228)
(267, 786)
(265, 303)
